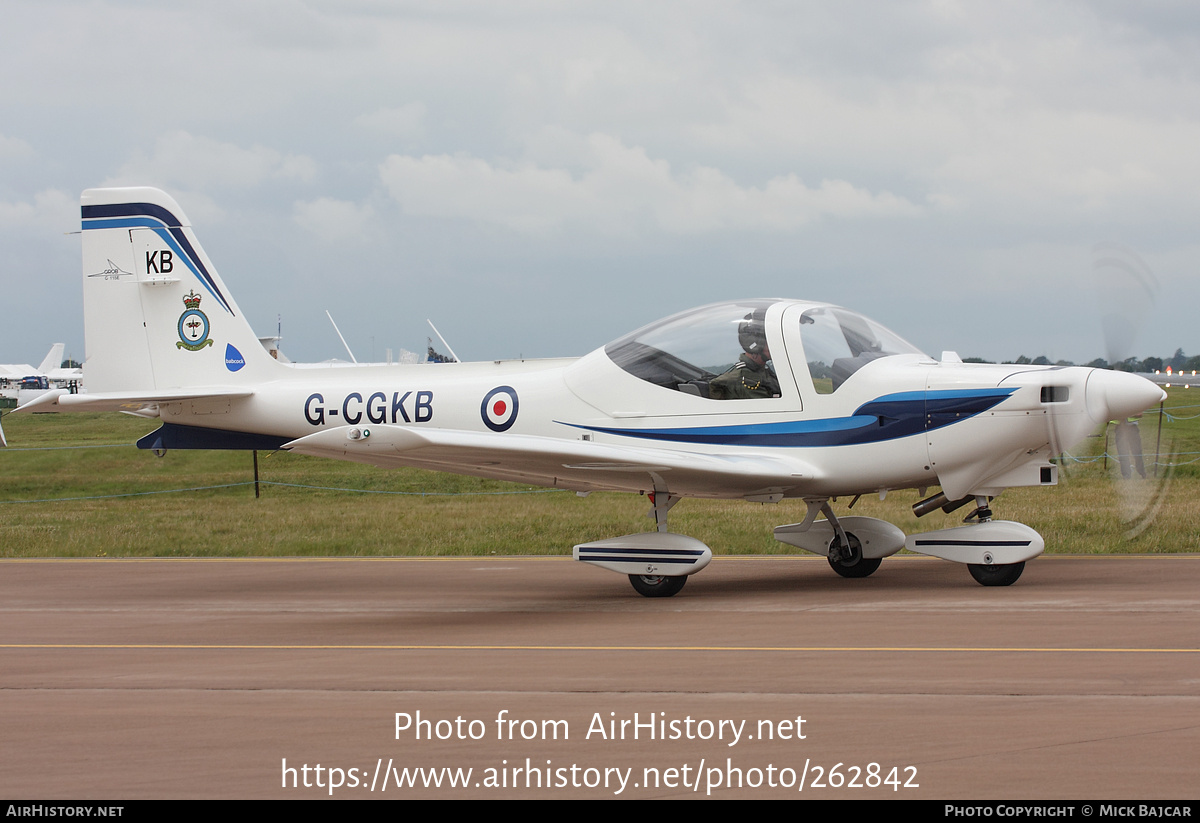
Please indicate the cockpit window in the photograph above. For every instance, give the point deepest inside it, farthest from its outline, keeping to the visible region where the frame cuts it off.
(688, 351)
(837, 343)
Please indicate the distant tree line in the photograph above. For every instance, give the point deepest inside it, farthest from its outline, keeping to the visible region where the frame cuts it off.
(1179, 362)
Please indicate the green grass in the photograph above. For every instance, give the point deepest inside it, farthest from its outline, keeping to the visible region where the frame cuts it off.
(442, 514)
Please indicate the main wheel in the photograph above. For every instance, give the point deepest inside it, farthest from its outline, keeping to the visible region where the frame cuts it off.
(657, 585)
(856, 565)
(1004, 575)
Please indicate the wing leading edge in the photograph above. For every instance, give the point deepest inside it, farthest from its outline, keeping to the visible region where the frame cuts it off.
(573, 464)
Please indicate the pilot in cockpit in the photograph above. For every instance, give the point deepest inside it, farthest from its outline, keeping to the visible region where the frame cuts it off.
(754, 374)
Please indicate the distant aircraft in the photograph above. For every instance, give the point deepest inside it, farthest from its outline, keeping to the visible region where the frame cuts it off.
(60, 377)
(762, 400)
(271, 345)
(52, 360)
(24, 383)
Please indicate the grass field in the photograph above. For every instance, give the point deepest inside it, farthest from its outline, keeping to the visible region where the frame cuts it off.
(73, 485)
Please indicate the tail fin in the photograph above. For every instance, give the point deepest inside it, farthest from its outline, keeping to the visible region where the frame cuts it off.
(53, 360)
(156, 314)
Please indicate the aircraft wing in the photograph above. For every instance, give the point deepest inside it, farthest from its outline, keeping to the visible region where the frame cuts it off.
(62, 400)
(573, 464)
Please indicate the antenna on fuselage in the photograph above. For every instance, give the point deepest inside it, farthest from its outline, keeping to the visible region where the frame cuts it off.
(339, 334)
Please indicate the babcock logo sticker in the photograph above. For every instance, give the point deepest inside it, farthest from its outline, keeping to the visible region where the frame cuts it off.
(233, 358)
(499, 409)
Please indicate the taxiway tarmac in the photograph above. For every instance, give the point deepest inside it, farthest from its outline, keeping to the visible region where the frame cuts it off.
(126, 679)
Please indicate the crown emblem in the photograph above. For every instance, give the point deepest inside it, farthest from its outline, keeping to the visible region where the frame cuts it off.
(193, 325)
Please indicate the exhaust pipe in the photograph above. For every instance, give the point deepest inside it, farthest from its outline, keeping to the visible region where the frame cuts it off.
(940, 501)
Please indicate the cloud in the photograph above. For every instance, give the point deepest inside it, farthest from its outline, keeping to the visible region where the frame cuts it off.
(404, 121)
(50, 210)
(620, 189)
(13, 148)
(191, 161)
(1090, 161)
(333, 220)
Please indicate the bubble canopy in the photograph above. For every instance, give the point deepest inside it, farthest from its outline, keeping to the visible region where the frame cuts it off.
(685, 351)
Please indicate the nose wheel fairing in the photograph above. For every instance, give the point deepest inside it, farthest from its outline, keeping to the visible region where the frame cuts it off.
(994, 543)
(995, 551)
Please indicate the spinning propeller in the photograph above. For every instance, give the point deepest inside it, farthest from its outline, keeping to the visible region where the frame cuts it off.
(1126, 290)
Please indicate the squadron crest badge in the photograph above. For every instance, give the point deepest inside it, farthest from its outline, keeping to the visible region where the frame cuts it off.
(193, 325)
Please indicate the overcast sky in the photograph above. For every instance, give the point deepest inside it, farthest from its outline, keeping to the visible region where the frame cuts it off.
(540, 177)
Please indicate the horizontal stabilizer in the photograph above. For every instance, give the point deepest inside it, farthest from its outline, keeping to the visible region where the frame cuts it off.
(60, 400)
(48, 398)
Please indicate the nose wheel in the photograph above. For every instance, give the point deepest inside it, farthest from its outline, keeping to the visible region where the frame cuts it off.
(996, 575)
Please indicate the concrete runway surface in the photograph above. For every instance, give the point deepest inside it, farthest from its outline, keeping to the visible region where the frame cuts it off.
(259, 678)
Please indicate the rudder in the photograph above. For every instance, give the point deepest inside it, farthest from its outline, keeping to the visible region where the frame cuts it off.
(156, 313)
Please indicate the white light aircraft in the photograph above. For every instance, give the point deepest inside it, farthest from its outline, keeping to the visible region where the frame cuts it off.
(849, 408)
(24, 383)
(51, 362)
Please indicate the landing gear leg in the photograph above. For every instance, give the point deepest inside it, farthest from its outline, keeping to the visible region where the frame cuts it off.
(982, 511)
(845, 550)
(991, 574)
(661, 502)
(659, 585)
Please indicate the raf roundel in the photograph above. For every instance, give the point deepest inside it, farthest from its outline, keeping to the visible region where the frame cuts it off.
(499, 408)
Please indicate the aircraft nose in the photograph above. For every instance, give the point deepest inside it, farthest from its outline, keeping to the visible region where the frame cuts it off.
(1114, 395)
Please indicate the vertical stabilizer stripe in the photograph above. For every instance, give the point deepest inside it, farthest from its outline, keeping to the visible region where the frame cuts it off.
(165, 224)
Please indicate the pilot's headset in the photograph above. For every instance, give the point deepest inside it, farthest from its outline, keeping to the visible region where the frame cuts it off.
(752, 332)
